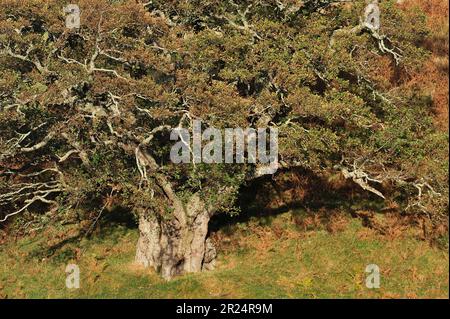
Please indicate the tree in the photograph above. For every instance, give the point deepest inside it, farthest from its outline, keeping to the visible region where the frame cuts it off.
(87, 113)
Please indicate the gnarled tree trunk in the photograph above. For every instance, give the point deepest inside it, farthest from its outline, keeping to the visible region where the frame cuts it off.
(177, 245)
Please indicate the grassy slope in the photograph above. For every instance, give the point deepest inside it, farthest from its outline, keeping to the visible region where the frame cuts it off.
(256, 261)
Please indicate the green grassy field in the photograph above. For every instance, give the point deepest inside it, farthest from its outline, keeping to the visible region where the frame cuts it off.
(271, 260)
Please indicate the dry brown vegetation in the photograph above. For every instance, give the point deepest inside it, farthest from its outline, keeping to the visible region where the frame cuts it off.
(434, 77)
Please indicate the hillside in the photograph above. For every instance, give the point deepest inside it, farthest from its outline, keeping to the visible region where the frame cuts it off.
(277, 258)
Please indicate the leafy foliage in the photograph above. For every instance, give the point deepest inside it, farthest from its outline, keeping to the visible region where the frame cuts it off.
(85, 113)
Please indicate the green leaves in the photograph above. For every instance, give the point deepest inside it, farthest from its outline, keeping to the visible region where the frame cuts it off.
(302, 67)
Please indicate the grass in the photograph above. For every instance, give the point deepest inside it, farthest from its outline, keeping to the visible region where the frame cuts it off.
(270, 260)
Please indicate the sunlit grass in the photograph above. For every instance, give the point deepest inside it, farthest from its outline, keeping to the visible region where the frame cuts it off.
(276, 260)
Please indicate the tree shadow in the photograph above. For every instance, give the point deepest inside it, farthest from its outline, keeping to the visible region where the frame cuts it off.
(299, 191)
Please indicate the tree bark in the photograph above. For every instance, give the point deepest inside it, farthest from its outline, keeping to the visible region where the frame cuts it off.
(176, 246)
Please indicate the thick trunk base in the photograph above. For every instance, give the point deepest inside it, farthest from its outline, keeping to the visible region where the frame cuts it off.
(173, 248)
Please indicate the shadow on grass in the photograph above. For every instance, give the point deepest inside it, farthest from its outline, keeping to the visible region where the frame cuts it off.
(299, 191)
